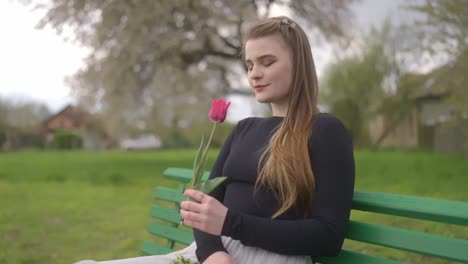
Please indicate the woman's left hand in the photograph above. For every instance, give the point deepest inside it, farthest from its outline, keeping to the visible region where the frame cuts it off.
(204, 213)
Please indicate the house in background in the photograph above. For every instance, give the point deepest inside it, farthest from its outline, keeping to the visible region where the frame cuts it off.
(78, 121)
(429, 124)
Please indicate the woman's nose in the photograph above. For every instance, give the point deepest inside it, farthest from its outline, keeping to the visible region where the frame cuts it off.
(256, 73)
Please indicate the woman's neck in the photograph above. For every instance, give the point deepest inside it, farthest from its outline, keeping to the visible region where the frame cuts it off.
(279, 109)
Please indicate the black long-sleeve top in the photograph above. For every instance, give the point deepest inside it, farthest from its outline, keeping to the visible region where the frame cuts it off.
(249, 212)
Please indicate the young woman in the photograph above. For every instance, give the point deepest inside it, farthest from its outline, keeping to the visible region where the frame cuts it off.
(290, 176)
(290, 181)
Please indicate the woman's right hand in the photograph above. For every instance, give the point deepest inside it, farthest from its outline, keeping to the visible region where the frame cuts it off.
(220, 257)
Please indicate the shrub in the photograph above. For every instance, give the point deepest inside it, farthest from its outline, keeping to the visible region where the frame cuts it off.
(66, 140)
(21, 139)
(2, 137)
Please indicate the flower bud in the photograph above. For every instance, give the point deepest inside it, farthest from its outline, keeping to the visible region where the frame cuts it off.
(218, 110)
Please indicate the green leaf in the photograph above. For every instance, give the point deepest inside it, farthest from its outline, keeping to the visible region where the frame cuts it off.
(202, 170)
(196, 166)
(209, 185)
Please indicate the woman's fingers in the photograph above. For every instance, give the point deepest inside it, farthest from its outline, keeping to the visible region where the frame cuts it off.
(191, 206)
(196, 221)
(195, 195)
(191, 216)
(204, 213)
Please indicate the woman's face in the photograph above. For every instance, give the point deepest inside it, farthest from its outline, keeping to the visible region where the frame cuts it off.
(269, 63)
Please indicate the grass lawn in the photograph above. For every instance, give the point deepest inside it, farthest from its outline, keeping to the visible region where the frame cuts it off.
(60, 207)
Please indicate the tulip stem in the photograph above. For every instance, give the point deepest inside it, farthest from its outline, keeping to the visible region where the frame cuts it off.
(207, 147)
(198, 174)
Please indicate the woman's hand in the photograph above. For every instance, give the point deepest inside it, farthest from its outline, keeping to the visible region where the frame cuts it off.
(206, 213)
(220, 257)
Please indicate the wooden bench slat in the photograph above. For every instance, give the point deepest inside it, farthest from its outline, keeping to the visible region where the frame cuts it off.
(438, 210)
(182, 175)
(418, 242)
(168, 194)
(171, 233)
(167, 214)
(151, 248)
(351, 257)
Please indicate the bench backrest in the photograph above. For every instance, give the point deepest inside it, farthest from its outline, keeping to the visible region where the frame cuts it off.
(444, 211)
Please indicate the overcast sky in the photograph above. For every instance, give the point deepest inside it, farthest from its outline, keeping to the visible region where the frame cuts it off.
(34, 63)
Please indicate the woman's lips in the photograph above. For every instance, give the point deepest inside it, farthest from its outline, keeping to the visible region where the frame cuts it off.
(259, 88)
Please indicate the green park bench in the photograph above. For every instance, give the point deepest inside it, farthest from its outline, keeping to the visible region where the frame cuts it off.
(167, 226)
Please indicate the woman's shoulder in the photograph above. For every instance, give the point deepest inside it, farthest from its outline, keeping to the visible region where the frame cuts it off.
(259, 120)
(258, 124)
(320, 121)
(327, 120)
(329, 130)
(326, 126)
(244, 122)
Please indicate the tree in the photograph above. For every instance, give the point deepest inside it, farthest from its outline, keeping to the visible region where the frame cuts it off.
(27, 114)
(443, 30)
(365, 84)
(160, 62)
(20, 122)
(3, 122)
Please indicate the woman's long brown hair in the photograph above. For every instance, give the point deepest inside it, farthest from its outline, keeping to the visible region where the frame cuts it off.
(285, 166)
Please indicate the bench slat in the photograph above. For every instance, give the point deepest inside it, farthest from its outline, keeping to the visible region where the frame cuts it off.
(166, 214)
(151, 248)
(451, 212)
(350, 257)
(182, 175)
(171, 233)
(168, 194)
(418, 242)
(438, 210)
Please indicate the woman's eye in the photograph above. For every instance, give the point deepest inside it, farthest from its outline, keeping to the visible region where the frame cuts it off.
(268, 63)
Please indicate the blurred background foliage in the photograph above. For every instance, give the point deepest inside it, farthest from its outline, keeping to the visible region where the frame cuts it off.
(154, 66)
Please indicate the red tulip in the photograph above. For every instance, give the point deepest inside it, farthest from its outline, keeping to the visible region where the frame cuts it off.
(217, 113)
(218, 110)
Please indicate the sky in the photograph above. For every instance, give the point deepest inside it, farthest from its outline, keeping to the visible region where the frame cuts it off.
(34, 62)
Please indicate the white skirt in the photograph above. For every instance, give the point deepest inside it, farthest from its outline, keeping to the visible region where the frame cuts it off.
(242, 254)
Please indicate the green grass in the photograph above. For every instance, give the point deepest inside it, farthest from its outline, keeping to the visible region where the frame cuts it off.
(60, 207)
(413, 172)
(118, 168)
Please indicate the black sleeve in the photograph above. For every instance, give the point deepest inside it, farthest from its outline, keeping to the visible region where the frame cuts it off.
(323, 233)
(208, 244)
